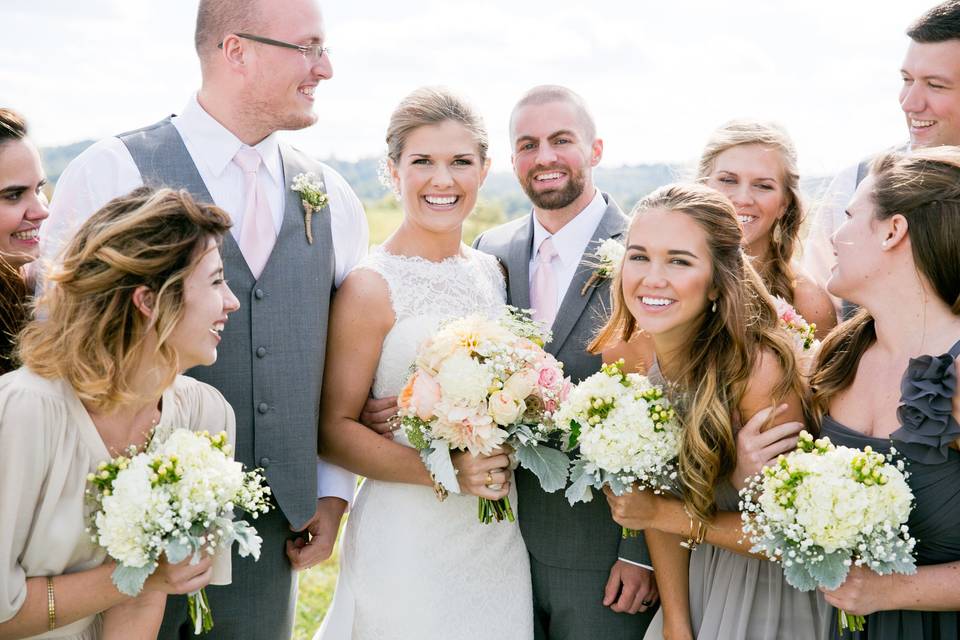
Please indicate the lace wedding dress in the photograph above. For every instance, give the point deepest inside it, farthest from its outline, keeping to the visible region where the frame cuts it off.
(412, 567)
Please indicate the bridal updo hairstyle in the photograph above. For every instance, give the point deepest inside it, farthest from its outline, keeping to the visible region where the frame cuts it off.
(725, 346)
(785, 234)
(923, 187)
(89, 331)
(428, 106)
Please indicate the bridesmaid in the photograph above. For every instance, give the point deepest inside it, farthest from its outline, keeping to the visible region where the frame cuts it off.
(687, 284)
(754, 163)
(887, 377)
(139, 297)
(23, 206)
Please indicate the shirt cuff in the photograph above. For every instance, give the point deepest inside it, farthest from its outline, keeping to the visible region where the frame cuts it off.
(636, 564)
(333, 481)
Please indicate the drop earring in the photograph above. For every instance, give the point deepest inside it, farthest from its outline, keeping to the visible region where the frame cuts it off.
(714, 307)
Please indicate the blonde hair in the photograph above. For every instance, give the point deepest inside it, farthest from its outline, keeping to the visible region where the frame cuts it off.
(777, 273)
(89, 331)
(428, 106)
(724, 348)
(923, 187)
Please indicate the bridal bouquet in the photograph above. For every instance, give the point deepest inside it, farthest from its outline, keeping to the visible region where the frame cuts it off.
(479, 384)
(822, 508)
(176, 498)
(626, 430)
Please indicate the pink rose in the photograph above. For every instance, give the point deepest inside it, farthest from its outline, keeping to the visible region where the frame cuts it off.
(549, 377)
(521, 384)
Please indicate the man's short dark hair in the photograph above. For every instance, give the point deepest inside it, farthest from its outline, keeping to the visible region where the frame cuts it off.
(939, 24)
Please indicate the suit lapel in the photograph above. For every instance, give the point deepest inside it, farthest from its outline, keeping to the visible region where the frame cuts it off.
(612, 225)
(518, 265)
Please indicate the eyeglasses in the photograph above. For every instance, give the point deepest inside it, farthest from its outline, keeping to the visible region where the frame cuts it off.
(314, 51)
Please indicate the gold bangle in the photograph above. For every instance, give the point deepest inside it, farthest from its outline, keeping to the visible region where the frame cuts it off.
(438, 489)
(51, 606)
(697, 533)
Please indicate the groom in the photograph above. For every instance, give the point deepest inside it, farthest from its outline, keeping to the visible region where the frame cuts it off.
(261, 61)
(586, 578)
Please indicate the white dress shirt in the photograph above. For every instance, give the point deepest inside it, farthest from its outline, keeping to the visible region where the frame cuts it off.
(570, 242)
(106, 170)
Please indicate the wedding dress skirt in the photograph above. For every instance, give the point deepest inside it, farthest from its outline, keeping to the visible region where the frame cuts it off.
(412, 567)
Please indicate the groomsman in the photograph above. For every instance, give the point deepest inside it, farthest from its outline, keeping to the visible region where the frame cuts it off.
(587, 579)
(261, 62)
(930, 100)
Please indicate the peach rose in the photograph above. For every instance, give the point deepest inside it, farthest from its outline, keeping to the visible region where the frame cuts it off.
(421, 393)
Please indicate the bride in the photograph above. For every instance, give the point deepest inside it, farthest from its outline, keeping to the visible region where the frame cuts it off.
(411, 566)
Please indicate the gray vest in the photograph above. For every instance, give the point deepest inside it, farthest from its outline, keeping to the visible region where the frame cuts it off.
(270, 363)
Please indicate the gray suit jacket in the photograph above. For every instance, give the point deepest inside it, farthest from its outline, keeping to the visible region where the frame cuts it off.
(583, 536)
(270, 362)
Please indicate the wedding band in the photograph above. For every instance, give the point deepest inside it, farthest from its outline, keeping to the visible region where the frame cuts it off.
(489, 480)
(646, 603)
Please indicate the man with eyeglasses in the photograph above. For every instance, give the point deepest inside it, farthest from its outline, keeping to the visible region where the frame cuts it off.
(261, 61)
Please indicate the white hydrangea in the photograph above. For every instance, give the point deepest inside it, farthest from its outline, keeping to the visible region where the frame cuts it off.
(822, 508)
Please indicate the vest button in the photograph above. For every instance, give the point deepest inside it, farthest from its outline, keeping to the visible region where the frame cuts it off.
(264, 462)
(263, 407)
(261, 352)
(258, 294)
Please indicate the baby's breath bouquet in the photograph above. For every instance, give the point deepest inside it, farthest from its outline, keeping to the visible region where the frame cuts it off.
(479, 384)
(822, 508)
(175, 498)
(626, 431)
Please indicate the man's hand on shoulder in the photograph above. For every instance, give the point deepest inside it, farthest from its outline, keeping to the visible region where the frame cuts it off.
(318, 536)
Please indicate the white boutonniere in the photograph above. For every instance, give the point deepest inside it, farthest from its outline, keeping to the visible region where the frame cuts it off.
(606, 261)
(312, 197)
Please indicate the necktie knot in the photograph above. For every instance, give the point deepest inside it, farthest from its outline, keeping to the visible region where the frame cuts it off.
(547, 252)
(248, 159)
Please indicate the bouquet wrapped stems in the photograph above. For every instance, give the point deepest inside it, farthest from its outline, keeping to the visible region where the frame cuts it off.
(494, 510)
(848, 621)
(198, 605)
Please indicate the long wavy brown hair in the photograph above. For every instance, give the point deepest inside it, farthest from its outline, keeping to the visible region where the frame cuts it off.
(923, 187)
(725, 346)
(89, 332)
(776, 271)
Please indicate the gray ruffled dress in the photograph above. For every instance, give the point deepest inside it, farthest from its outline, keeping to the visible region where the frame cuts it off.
(927, 428)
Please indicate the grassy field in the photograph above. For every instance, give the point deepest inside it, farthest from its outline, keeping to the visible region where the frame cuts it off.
(317, 584)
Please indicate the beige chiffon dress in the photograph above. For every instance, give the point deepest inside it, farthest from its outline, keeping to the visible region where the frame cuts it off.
(48, 445)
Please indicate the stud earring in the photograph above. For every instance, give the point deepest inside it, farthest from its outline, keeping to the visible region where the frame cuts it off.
(883, 244)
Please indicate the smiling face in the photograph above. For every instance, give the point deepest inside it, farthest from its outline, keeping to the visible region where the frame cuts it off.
(552, 157)
(667, 273)
(438, 175)
(930, 96)
(858, 246)
(23, 205)
(751, 175)
(281, 85)
(207, 301)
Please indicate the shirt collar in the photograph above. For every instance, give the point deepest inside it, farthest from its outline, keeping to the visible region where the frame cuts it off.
(572, 239)
(214, 145)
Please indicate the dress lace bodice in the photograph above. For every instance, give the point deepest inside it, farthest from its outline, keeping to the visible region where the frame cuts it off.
(425, 293)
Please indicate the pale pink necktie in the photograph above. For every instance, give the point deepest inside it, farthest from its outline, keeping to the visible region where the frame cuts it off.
(543, 289)
(258, 234)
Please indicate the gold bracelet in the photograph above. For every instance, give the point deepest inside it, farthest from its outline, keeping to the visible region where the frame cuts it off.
(438, 489)
(51, 606)
(697, 534)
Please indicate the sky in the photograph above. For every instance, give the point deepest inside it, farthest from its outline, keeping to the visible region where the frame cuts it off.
(659, 76)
